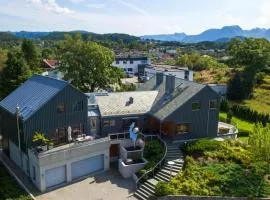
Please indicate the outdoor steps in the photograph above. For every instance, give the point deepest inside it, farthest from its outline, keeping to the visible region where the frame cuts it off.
(147, 189)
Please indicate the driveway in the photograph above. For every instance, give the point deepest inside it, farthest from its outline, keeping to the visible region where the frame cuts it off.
(108, 185)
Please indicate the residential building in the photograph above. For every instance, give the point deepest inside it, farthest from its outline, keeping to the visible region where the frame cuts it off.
(52, 107)
(179, 72)
(130, 64)
(49, 64)
(87, 129)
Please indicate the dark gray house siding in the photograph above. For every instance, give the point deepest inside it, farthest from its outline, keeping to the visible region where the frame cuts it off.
(142, 123)
(47, 119)
(204, 123)
(8, 127)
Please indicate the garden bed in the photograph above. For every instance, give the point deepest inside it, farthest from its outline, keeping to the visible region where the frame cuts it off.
(214, 168)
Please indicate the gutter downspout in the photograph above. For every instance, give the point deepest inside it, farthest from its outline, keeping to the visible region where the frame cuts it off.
(18, 132)
(208, 122)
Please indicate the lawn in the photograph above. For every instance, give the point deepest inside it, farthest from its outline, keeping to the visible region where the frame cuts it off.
(215, 168)
(9, 189)
(261, 97)
(244, 127)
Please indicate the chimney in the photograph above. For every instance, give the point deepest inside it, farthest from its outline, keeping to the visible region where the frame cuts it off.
(170, 83)
(159, 78)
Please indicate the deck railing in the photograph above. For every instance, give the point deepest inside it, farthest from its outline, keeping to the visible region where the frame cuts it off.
(151, 172)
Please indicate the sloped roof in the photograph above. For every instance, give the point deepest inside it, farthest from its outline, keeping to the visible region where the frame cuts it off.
(32, 95)
(50, 63)
(119, 103)
(165, 104)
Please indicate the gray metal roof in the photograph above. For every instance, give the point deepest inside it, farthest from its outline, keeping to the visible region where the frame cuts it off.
(115, 104)
(165, 104)
(32, 95)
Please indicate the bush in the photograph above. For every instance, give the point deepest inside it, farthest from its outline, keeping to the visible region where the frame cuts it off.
(201, 145)
(163, 189)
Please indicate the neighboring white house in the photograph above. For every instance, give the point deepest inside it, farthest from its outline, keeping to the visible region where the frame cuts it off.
(130, 64)
(183, 73)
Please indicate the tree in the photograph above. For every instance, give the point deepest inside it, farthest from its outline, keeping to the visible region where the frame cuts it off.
(15, 72)
(235, 88)
(251, 53)
(31, 54)
(259, 142)
(87, 64)
(3, 58)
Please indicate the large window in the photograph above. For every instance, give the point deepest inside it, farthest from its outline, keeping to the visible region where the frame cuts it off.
(130, 69)
(77, 130)
(213, 104)
(77, 106)
(117, 62)
(196, 106)
(183, 128)
(60, 108)
(124, 62)
(108, 123)
(131, 61)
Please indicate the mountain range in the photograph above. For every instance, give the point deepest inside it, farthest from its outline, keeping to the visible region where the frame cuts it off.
(224, 34)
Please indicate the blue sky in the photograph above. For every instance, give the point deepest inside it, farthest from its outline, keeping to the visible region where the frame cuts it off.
(137, 17)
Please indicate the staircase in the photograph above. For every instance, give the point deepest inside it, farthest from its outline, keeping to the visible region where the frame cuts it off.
(147, 189)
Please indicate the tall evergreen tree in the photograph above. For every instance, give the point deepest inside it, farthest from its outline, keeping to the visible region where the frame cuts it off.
(235, 88)
(31, 54)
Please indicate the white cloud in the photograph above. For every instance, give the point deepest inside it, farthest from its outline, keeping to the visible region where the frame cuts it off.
(50, 5)
(264, 18)
(95, 5)
(132, 6)
(77, 1)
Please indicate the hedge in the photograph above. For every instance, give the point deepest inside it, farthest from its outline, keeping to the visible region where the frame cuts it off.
(244, 112)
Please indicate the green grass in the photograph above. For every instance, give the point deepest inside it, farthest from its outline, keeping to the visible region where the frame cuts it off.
(244, 127)
(261, 97)
(9, 189)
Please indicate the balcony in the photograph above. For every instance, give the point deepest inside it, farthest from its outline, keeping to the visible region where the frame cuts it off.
(69, 151)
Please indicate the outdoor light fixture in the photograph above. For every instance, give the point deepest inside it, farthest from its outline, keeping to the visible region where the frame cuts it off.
(171, 163)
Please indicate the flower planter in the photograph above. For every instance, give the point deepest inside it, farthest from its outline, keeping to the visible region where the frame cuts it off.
(44, 147)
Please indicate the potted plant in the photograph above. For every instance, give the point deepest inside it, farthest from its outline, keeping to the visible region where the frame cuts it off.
(50, 145)
(41, 140)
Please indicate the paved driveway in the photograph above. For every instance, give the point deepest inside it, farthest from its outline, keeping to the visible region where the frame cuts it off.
(108, 185)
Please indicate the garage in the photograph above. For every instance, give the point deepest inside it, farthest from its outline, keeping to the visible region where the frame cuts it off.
(55, 176)
(87, 166)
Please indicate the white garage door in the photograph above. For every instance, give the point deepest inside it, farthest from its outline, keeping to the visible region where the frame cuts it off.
(87, 166)
(55, 176)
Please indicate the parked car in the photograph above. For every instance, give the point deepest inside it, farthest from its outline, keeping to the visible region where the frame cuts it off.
(130, 74)
(143, 79)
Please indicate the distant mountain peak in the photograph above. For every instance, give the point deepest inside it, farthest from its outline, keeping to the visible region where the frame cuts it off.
(213, 34)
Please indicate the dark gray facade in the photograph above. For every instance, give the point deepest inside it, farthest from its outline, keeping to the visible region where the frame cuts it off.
(121, 125)
(203, 122)
(47, 119)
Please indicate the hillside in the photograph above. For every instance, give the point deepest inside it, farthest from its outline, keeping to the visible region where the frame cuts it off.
(261, 97)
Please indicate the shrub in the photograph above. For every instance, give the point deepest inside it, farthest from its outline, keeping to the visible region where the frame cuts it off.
(163, 189)
(201, 145)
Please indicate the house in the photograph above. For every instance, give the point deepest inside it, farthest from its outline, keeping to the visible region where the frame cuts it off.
(183, 110)
(49, 64)
(179, 72)
(52, 107)
(130, 64)
(88, 129)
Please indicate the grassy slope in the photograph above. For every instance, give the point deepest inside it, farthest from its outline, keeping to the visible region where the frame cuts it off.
(244, 127)
(9, 189)
(261, 97)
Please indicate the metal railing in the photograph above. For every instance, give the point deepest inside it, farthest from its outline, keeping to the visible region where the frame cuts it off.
(151, 172)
